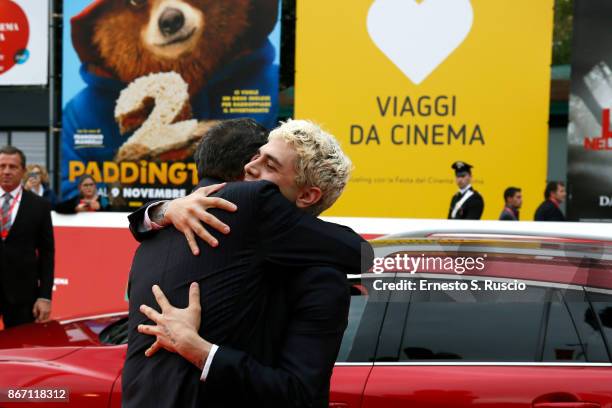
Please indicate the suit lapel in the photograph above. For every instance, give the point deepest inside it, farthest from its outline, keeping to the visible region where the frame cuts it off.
(21, 216)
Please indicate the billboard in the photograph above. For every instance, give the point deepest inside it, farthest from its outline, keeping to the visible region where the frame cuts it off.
(24, 42)
(142, 81)
(409, 87)
(589, 164)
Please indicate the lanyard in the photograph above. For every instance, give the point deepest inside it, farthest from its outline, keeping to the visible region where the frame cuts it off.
(555, 203)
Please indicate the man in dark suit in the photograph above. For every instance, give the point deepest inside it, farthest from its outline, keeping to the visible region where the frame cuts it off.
(550, 209)
(271, 241)
(26, 247)
(467, 204)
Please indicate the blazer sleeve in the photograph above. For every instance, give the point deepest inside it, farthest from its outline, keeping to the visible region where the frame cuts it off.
(46, 253)
(136, 220)
(290, 237)
(313, 338)
(450, 208)
(50, 195)
(475, 209)
(67, 206)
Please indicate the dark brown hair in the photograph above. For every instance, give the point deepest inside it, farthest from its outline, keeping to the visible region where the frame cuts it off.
(13, 150)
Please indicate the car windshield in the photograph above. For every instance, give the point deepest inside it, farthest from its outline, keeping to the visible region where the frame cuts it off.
(116, 333)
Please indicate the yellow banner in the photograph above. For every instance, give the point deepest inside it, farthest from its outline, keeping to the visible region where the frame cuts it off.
(409, 87)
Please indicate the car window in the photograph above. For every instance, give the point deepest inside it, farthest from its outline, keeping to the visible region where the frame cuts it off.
(602, 306)
(394, 323)
(356, 310)
(562, 343)
(365, 318)
(587, 325)
(116, 333)
(473, 325)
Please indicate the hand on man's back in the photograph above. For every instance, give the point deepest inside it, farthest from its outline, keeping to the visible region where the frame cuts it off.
(188, 213)
(176, 330)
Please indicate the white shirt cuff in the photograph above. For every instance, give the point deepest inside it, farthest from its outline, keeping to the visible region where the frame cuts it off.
(208, 362)
(147, 224)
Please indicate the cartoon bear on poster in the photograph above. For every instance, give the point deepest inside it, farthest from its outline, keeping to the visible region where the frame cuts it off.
(218, 47)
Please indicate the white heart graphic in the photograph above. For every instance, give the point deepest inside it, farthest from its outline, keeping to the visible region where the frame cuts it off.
(418, 37)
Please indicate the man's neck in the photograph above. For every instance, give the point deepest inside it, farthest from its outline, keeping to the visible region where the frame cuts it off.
(464, 189)
(555, 202)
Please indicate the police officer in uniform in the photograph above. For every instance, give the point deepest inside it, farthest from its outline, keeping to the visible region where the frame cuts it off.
(467, 204)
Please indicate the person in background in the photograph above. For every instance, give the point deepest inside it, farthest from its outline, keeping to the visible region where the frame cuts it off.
(550, 209)
(87, 200)
(513, 199)
(27, 250)
(36, 180)
(467, 203)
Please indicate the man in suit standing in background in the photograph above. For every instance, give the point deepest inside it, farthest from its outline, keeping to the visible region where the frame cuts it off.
(26, 246)
(550, 209)
(513, 199)
(467, 204)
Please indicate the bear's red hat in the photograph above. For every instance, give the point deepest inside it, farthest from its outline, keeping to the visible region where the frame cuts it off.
(264, 12)
(82, 26)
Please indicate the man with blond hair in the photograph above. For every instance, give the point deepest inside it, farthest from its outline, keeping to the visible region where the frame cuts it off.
(275, 298)
(319, 162)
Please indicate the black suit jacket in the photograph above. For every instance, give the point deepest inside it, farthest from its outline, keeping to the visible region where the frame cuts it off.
(312, 308)
(268, 233)
(471, 209)
(27, 254)
(548, 211)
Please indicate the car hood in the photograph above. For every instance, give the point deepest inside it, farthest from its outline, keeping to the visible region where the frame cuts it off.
(52, 340)
(35, 342)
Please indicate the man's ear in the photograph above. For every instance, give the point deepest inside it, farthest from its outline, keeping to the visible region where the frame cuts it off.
(308, 196)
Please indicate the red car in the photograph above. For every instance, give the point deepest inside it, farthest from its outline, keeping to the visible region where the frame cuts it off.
(532, 327)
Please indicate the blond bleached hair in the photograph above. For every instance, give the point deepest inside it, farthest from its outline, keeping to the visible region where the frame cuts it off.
(320, 162)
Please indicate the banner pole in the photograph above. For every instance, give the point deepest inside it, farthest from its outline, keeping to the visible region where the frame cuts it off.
(51, 164)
